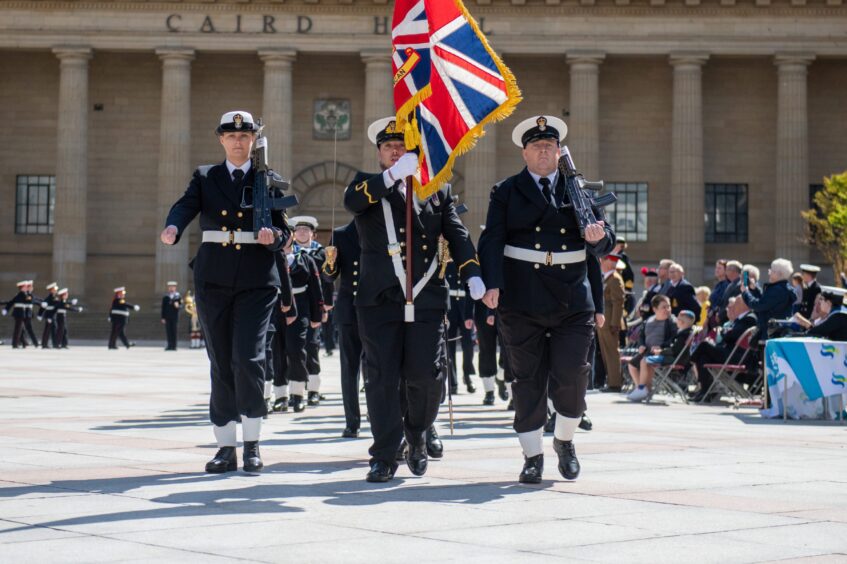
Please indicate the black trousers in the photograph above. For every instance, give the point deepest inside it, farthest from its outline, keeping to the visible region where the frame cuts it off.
(352, 359)
(707, 353)
(329, 332)
(295, 343)
(49, 332)
(60, 334)
(118, 332)
(398, 353)
(280, 361)
(486, 336)
(456, 328)
(171, 332)
(313, 350)
(235, 323)
(548, 356)
(30, 331)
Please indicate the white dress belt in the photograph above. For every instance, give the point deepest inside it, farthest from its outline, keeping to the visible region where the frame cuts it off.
(544, 257)
(119, 312)
(230, 237)
(61, 311)
(299, 290)
(26, 306)
(457, 293)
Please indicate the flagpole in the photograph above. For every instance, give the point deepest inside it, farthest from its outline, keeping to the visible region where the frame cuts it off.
(410, 209)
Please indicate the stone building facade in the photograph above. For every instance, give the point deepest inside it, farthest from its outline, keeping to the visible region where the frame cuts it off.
(731, 110)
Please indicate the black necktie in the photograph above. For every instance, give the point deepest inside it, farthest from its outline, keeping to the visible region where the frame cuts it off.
(545, 187)
(237, 176)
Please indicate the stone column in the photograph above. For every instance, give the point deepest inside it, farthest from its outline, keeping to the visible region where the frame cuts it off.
(278, 108)
(480, 177)
(379, 98)
(584, 123)
(174, 160)
(70, 227)
(687, 233)
(792, 157)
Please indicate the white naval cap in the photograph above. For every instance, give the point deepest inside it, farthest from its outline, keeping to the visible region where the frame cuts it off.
(120, 289)
(237, 120)
(834, 290)
(171, 283)
(306, 220)
(63, 291)
(539, 127)
(810, 268)
(51, 286)
(22, 283)
(384, 129)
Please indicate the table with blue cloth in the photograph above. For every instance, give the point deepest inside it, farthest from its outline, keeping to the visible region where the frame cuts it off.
(806, 378)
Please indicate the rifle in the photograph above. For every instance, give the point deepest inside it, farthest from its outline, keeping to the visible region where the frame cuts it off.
(266, 183)
(577, 189)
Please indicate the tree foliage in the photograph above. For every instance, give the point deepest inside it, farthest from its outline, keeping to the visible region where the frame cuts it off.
(826, 223)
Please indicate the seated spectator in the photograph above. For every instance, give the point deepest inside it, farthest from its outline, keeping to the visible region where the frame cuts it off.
(644, 308)
(658, 333)
(703, 294)
(666, 356)
(681, 292)
(833, 316)
(776, 299)
(741, 319)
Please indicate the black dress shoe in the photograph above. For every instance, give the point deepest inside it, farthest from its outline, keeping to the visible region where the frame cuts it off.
(252, 459)
(488, 399)
(281, 404)
(511, 406)
(314, 398)
(469, 384)
(532, 469)
(568, 464)
(550, 426)
(380, 472)
(434, 446)
(585, 423)
(401, 451)
(416, 458)
(502, 391)
(610, 389)
(349, 433)
(296, 404)
(224, 461)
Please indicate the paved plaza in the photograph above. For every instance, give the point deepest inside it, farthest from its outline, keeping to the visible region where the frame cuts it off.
(103, 454)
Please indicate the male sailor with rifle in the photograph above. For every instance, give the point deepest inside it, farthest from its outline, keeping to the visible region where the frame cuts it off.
(402, 341)
(236, 278)
(542, 225)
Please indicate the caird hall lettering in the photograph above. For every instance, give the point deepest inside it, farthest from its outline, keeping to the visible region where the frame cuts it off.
(265, 24)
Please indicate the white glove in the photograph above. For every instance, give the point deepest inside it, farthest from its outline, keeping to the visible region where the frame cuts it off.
(41, 318)
(80, 309)
(137, 308)
(407, 165)
(477, 287)
(5, 311)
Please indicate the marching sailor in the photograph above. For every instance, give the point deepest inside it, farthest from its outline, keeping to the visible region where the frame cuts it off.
(535, 269)
(397, 352)
(119, 316)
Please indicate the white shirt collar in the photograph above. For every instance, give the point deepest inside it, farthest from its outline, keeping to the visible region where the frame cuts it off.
(245, 167)
(537, 177)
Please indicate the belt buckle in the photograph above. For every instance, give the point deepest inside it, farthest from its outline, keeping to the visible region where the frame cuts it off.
(393, 249)
(549, 259)
(231, 237)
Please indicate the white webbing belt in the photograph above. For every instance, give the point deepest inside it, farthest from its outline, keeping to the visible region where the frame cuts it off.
(394, 252)
(299, 290)
(543, 257)
(231, 237)
(457, 293)
(25, 306)
(120, 312)
(61, 311)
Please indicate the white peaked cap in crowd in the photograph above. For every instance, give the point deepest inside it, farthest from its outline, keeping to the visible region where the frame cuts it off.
(384, 129)
(539, 127)
(22, 283)
(51, 286)
(63, 291)
(810, 268)
(171, 283)
(120, 289)
(307, 220)
(834, 290)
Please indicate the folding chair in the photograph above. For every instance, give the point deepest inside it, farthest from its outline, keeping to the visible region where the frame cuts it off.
(725, 375)
(663, 380)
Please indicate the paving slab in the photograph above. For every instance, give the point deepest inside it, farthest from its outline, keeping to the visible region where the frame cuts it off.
(104, 454)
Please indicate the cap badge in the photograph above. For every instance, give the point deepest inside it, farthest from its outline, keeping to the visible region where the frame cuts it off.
(237, 120)
(542, 123)
(391, 127)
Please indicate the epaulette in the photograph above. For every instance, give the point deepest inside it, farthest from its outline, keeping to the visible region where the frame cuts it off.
(204, 170)
(499, 184)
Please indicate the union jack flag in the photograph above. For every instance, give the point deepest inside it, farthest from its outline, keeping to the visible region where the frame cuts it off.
(448, 84)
